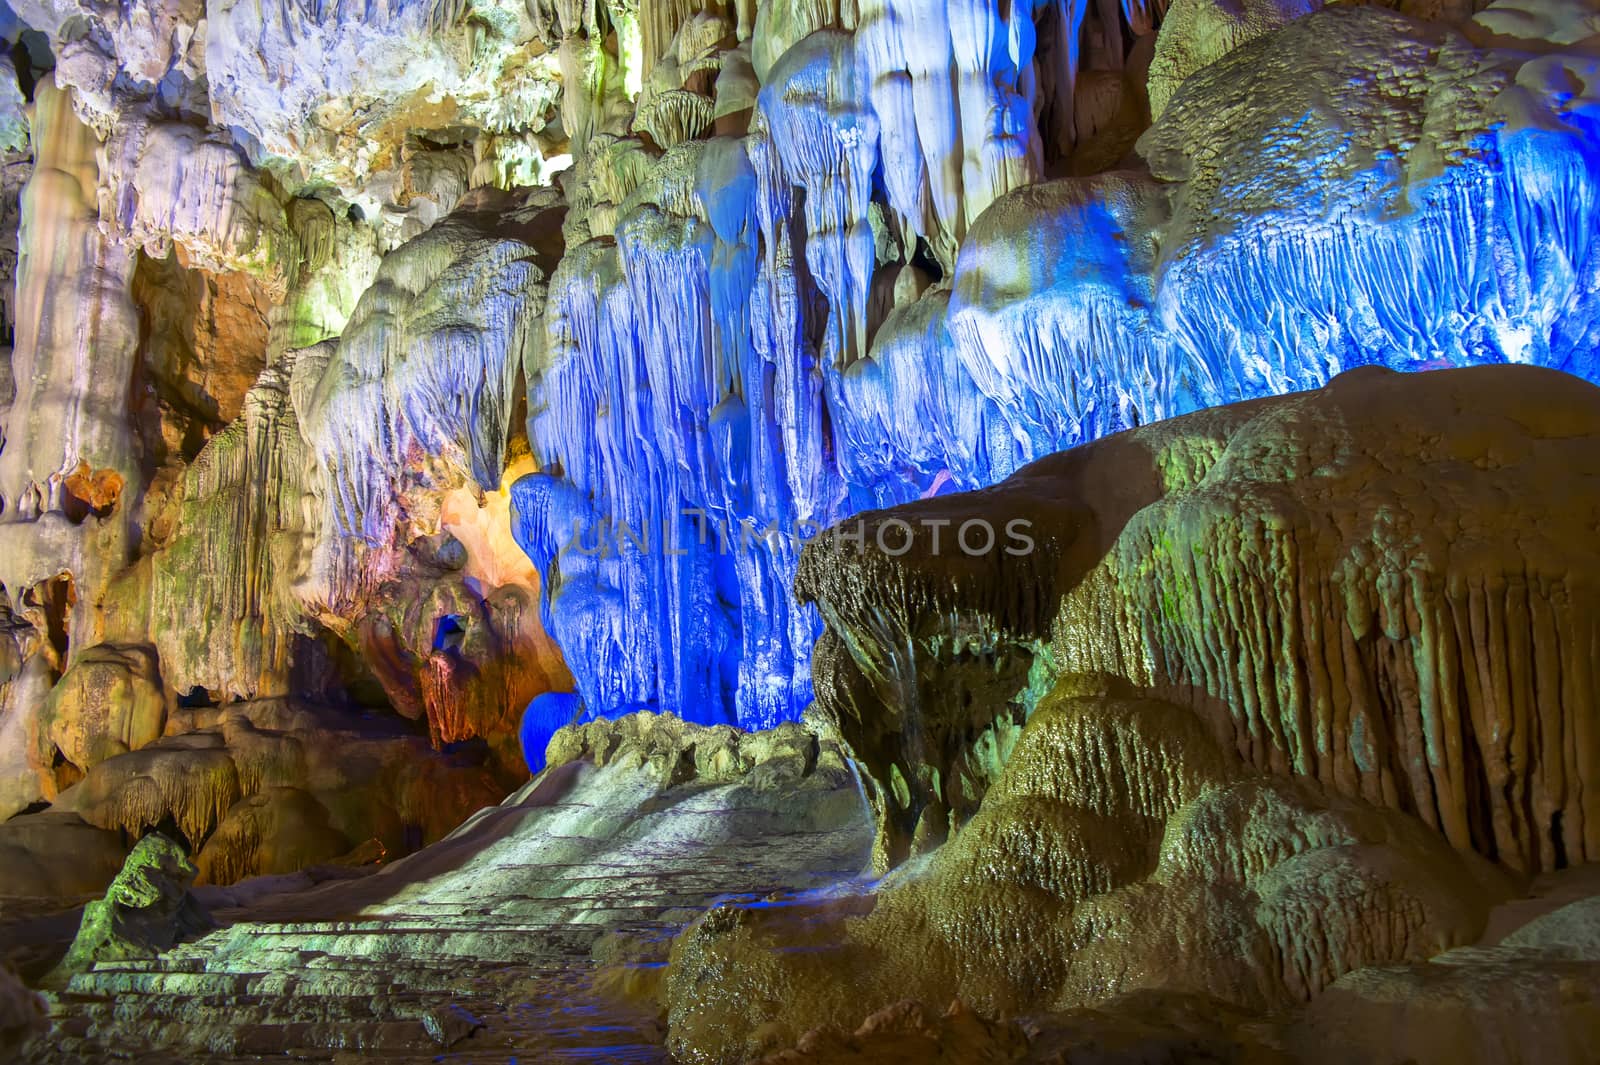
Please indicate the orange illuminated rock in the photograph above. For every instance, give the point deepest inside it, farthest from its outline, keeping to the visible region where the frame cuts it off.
(94, 490)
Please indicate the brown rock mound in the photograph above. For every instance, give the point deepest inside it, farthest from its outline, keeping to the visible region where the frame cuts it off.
(269, 786)
(1119, 850)
(1389, 585)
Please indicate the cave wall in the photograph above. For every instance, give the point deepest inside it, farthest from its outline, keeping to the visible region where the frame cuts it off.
(257, 422)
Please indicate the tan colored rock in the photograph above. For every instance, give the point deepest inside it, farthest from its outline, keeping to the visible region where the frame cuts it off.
(57, 855)
(1341, 583)
(276, 830)
(679, 100)
(1120, 850)
(909, 1032)
(1198, 32)
(109, 702)
(188, 781)
(1398, 634)
(273, 785)
(29, 675)
(73, 281)
(239, 533)
(70, 451)
(1532, 995)
(206, 342)
(1127, 758)
(677, 751)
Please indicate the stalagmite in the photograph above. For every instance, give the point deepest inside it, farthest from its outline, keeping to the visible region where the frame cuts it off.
(1076, 883)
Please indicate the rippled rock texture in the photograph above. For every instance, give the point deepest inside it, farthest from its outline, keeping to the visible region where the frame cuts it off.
(1380, 585)
(1271, 707)
(1119, 849)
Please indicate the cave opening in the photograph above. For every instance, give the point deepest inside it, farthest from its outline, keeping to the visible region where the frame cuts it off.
(449, 632)
(196, 698)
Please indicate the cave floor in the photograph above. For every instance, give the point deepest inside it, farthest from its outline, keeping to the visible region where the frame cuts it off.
(480, 948)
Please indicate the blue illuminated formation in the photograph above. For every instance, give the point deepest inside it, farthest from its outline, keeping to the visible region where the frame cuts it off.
(704, 382)
(544, 715)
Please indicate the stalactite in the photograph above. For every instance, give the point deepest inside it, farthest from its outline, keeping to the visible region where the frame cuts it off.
(922, 318)
(167, 182)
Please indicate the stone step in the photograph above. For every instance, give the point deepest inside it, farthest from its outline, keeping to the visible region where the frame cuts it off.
(331, 972)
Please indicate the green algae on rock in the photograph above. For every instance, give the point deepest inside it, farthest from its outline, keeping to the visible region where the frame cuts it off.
(146, 910)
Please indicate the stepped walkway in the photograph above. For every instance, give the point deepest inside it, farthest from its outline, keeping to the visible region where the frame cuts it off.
(480, 948)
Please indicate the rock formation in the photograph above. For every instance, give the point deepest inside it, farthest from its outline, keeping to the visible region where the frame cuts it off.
(1119, 849)
(57, 855)
(1342, 582)
(328, 532)
(271, 786)
(145, 911)
(781, 231)
(1285, 830)
(842, 309)
(603, 856)
(953, 442)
